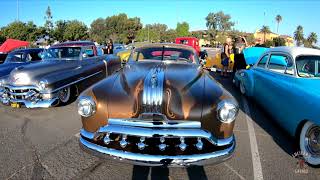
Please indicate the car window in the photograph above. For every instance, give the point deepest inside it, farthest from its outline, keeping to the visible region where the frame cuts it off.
(15, 57)
(281, 64)
(35, 56)
(164, 54)
(308, 66)
(263, 61)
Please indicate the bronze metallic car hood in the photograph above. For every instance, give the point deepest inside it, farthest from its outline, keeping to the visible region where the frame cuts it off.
(37, 71)
(183, 92)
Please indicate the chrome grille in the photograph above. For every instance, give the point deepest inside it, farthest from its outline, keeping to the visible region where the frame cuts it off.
(21, 93)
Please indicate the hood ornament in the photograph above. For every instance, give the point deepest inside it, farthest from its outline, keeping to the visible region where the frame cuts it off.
(152, 95)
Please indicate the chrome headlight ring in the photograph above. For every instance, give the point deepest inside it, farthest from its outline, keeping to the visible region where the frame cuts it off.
(42, 85)
(227, 111)
(86, 106)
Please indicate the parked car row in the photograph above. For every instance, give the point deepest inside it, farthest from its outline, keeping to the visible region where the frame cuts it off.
(286, 82)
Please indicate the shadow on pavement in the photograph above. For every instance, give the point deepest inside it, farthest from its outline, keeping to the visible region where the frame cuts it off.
(259, 116)
(162, 173)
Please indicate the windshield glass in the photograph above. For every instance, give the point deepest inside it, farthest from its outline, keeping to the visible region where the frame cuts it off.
(66, 53)
(308, 66)
(15, 57)
(164, 54)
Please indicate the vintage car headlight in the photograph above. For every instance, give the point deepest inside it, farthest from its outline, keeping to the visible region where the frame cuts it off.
(86, 106)
(42, 85)
(227, 111)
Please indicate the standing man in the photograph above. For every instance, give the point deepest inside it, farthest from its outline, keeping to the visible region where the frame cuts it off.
(110, 47)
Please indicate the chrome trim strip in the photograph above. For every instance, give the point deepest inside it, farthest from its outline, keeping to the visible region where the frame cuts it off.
(159, 160)
(13, 87)
(81, 79)
(151, 123)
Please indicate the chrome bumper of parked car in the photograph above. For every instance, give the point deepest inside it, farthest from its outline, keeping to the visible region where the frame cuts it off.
(90, 142)
(28, 96)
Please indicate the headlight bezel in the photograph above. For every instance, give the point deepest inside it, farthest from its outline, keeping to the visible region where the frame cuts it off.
(86, 101)
(229, 106)
(42, 85)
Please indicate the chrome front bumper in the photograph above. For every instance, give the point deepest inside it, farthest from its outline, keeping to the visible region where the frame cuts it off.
(27, 96)
(225, 147)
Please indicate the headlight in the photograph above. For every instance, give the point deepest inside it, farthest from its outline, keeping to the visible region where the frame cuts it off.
(42, 85)
(227, 111)
(86, 106)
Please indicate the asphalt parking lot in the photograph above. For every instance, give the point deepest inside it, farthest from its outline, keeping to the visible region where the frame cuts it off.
(43, 144)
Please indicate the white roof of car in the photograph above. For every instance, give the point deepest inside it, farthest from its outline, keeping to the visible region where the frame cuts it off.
(295, 51)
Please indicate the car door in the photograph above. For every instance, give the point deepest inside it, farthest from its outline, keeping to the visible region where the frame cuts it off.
(279, 79)
(92, 66)
(260, 91)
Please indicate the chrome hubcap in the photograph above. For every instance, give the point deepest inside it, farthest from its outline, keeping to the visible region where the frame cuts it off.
(64, 94)
(312, 140)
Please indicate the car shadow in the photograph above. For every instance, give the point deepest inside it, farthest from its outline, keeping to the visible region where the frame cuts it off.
(162, 173)
(260, 116)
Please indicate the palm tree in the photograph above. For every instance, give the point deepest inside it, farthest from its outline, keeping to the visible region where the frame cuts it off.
(265, 30)
(278, 19)
(312, 38)
(298, 35)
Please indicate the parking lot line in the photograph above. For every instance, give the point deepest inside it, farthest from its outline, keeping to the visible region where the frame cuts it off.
(257, 169)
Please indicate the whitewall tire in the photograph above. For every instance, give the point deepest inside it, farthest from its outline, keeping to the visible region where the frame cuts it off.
(64, 95)
(309, 143)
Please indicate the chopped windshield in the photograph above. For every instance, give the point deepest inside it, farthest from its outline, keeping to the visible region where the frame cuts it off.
(164, 54)
(15, 57)
(66, 53)
(308, 66)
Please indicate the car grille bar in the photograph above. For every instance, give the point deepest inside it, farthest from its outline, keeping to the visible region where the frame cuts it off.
(21, 92)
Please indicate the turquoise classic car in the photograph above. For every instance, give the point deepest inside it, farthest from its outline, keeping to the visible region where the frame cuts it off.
(286, 82)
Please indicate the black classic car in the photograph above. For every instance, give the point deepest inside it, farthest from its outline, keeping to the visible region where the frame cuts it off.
(18, 58)
(67, 69)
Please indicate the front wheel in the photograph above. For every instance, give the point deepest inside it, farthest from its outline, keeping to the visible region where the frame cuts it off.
(310, 143)
(64, 95)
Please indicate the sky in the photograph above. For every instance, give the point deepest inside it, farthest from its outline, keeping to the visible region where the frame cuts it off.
(248, 15)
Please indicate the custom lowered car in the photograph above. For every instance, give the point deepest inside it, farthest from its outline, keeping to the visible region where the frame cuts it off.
(67, 69)
(19, 58)
(162, 108)
(286, 82)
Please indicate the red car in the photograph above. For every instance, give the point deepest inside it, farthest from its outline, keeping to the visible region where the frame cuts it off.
(190, 41)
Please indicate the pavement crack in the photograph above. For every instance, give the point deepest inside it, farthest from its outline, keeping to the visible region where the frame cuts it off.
(89, 170)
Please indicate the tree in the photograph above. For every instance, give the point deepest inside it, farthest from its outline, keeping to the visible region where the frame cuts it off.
(48, 20)
(218, 22)
(298, 35)
(265, 30)
(268, 43)
(278, 19)
(278, 41)
(59, 30)
(22, 31)
(182, 29)
(75, 30)
(98, 30)
(2, 38)
(312, 38)
(169, 35)
(153, 33)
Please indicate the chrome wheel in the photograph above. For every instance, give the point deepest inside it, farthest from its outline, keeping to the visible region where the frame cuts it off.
(310, 143)
(64, 95)
(242, 88)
